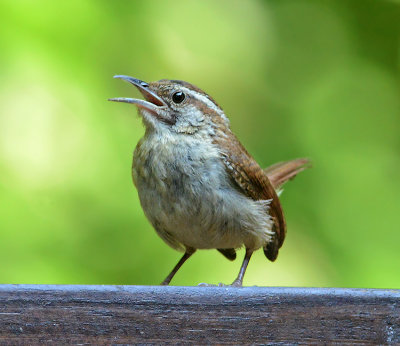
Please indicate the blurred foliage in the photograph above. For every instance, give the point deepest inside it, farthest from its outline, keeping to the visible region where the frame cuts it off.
(297, 78)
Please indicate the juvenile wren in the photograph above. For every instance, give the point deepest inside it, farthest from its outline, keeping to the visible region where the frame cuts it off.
(197, 184)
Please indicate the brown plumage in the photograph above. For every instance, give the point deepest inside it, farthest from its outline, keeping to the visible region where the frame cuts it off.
(277, 174)
(281, 172)
(197, 184)
(249, 176)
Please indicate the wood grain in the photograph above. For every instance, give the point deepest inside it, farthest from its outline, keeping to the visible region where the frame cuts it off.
(33, 314)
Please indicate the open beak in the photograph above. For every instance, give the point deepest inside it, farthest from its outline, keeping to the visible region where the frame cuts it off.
(153, 102)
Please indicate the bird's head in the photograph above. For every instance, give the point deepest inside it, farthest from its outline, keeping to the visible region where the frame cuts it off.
(177, 106)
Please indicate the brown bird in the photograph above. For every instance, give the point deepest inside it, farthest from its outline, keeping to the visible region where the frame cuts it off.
(197, 184)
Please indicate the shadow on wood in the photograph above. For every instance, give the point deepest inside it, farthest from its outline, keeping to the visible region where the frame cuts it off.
(34, 314)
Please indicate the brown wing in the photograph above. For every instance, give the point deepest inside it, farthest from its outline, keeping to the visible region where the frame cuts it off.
(254, 182)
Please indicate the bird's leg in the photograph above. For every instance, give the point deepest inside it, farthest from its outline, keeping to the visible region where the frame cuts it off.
(239, 280)
(189, 252)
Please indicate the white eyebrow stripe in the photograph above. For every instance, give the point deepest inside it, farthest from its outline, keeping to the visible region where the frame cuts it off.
(205, 100)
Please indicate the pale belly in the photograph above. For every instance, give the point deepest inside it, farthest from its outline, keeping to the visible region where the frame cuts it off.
(190, 200)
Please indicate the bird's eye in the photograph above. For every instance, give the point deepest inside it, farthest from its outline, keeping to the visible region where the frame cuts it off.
(178, 97)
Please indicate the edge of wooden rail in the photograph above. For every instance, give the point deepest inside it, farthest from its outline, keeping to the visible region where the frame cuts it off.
(224, 315)
(335, 291)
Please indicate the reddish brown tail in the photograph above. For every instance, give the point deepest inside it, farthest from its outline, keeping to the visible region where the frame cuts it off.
(281, 172)
(278, 174)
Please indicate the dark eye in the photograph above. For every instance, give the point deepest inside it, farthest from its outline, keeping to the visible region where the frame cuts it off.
(178, 97)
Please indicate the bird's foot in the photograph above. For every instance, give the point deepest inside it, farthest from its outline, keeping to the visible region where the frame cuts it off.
(237, 283)
(203, 284)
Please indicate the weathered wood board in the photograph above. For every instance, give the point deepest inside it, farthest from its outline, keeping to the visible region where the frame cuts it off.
(32, 314)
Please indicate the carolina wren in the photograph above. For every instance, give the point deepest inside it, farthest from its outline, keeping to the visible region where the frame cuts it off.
(197, 184)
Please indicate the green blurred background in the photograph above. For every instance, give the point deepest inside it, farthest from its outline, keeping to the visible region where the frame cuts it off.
(297, 78)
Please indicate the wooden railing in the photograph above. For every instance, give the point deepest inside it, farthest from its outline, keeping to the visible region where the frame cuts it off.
(33, 314)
